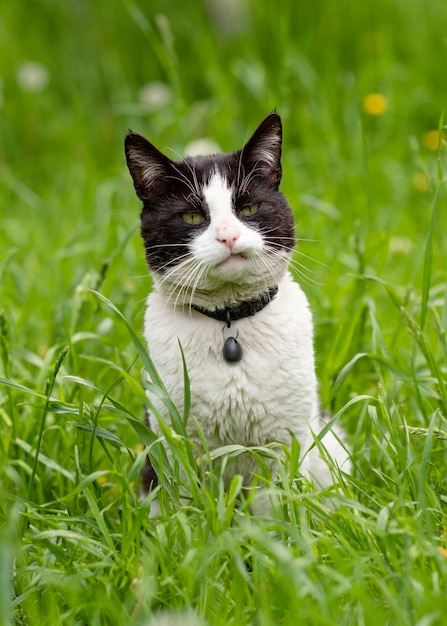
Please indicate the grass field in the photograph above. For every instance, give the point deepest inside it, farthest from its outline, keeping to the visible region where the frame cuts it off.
(361, 88)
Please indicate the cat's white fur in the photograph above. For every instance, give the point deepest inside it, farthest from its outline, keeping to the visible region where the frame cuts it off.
(272, 391)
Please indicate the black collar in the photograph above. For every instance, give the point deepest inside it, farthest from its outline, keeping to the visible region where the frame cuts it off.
(245, 309)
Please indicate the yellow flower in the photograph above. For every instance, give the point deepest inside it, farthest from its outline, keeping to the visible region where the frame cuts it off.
(375, 104)
(432, 140)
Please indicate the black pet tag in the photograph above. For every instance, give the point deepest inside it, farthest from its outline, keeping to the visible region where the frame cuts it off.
(232, 351)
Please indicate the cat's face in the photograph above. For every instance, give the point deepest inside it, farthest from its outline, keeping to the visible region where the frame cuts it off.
(214, 227)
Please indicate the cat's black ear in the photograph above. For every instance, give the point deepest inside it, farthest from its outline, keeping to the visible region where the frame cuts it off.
(149, 168)
(263, 150)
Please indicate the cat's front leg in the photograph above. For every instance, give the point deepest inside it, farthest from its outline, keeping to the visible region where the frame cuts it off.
(149, 482)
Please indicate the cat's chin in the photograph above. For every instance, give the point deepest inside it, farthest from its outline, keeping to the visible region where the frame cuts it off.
(234, 262)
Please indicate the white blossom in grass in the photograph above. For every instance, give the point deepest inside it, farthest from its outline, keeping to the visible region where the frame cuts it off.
(155, 96)
(400, 245)
(200, 147)
(32, 76)
(231, 17)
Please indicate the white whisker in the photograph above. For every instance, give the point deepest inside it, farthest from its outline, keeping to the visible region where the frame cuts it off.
(310, 258)
(261, 261)
(265, 257)
(244, 183)
(203, 270)
(295, 265)
(174, 267)
(195, 184)
(169, 245)
(192, 186)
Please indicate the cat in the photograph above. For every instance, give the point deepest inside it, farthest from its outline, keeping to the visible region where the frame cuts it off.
(219, 237)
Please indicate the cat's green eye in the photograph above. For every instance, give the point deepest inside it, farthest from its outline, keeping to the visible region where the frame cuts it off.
(250, 210)
(193, 218)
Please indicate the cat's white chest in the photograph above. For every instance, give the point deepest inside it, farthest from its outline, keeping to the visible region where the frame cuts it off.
(271, 392)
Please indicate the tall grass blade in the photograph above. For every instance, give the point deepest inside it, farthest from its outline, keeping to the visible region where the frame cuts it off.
(48, 390)
(428, 260)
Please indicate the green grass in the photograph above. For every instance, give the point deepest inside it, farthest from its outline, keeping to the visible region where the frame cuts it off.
(368, 191)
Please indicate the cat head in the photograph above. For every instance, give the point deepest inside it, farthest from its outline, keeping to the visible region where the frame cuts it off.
(216, 229)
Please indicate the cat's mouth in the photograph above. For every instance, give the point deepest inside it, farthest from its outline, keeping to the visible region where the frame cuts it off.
(232, 262)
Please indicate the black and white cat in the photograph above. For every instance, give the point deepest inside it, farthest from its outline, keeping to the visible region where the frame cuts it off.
(219, 237)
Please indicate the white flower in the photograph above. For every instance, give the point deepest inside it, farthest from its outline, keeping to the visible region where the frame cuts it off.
(32, 76)
(155, 96)
(231, 17)
(200, 147)
(400, 245)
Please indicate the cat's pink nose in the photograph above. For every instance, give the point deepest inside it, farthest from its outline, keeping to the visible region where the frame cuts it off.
(227, 234)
